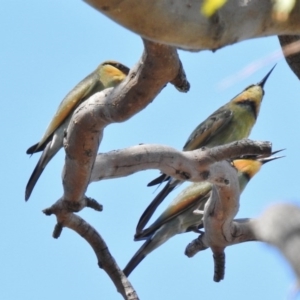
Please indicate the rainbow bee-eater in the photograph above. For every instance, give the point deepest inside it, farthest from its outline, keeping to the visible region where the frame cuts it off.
(108, 74)
(184, 212)
(231, 122)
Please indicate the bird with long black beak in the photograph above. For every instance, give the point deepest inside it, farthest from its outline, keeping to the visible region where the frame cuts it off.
(231, 122)
(182, 215)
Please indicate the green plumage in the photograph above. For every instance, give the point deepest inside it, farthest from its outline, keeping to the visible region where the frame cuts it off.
(231, 122)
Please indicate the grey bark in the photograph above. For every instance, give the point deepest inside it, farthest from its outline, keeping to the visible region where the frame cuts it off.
(179, 22)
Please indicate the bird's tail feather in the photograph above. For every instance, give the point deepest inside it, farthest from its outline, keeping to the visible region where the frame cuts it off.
(147, 214)
(158, 180)
(38, 170)
(136, 259)
(32, 149)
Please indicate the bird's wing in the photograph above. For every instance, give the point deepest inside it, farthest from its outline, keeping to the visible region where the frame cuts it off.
(207, 129)
(68, 104)
(191, 196)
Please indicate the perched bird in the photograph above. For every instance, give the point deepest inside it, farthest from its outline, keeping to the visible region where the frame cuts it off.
(231, 122)
(182, 215)
(108, 74)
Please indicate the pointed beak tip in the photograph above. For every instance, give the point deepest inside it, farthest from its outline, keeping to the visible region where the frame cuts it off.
(264, 80)
(275, 152)
(268, 159)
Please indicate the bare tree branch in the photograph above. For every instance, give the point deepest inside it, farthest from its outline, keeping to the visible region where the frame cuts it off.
(279, 226)
(218, 215)
(158, 65)
(205, 163)
(117, 105)
(191, 165)
(242, 231)
(287, 42)
(180, 23)
(219, 212)
(105, 259)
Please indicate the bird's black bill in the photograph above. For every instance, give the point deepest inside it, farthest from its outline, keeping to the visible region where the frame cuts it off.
(267, 159)
(275, 152)
(262, 83)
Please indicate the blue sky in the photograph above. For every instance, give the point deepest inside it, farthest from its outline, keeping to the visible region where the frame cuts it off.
(46, 48)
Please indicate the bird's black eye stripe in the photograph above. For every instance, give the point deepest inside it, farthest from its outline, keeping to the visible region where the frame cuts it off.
(250, 104)
(119, 66)
(248, 87)
(123, 68)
